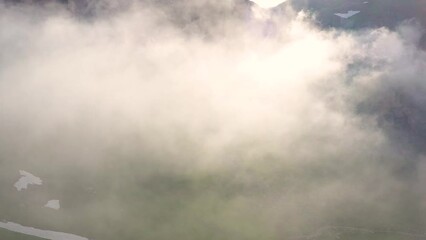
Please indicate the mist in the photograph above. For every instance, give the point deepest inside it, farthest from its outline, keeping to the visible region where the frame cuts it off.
(206, 120)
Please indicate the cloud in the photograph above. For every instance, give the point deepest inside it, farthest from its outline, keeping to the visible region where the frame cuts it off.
(217, 125)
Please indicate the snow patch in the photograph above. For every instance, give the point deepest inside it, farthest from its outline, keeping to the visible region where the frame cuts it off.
(53, 204)
(26, 179)
(46, 234)
(348, 14)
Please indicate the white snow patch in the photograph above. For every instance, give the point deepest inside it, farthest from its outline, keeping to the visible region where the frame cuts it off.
(54, 204)
(46, 234)
(347, 15)
(26, 179)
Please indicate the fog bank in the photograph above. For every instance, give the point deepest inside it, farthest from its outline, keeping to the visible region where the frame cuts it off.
(230, 121)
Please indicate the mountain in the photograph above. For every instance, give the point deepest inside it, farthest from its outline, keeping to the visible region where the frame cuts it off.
(370, 13)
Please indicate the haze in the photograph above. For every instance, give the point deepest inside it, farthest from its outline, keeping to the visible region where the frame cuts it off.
(202, 119)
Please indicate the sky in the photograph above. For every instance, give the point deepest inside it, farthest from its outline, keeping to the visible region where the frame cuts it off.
(268, 3)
